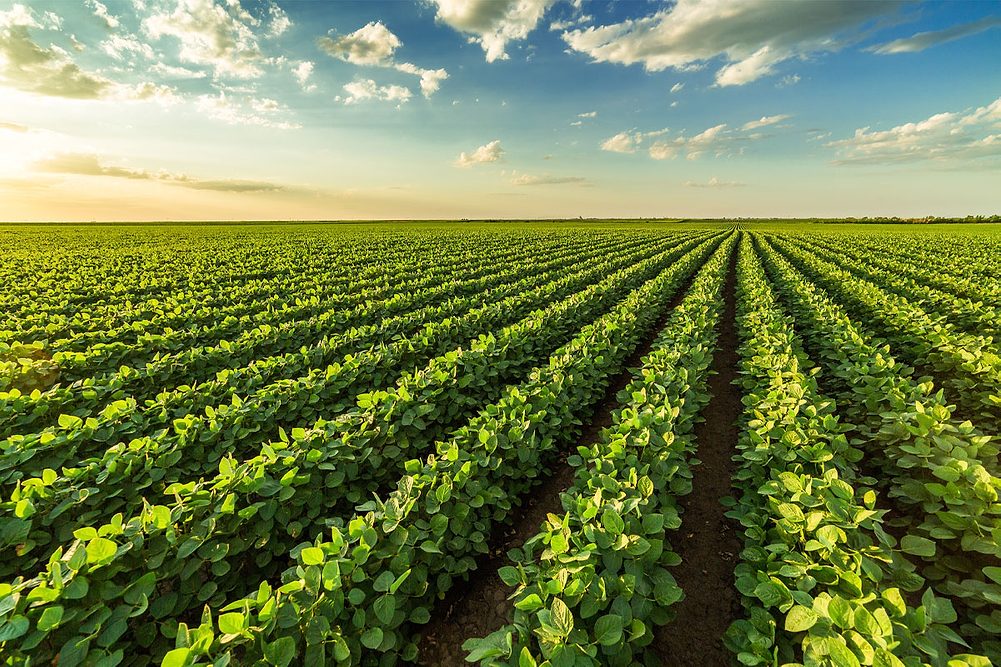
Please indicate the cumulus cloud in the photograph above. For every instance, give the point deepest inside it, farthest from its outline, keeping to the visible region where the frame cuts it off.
(924, 40)
(175, 72)
(430, 78)
(752, 36)
(560, 26)
(719, 140)
(623, 142)
(970, 138)
(89, 164)
(628, 142)
(121, 46)
(692, 148)
(28, 66)
(546, 179)
(220, 36)
(101, 11)
(302, 73)
(279, 21)
(677, 88)
(375, 45)
(372, 44)
(588, 114)
(492, 23)
(367, 89)
(491, 152)
(156, 92)
(715, 183)
(248, 111)
(765, 121)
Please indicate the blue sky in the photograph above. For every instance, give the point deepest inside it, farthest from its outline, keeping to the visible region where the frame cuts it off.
(253, 109)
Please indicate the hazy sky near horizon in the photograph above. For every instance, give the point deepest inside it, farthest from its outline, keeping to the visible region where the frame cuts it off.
(282, 109)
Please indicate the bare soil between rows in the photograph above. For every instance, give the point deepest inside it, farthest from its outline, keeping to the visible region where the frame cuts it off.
(708, 542)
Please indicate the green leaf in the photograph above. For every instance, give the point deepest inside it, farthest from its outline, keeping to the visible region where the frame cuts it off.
(918, 546)
(399, 581)
(884, 658)
(232, 623)
(840, 611)
(179, 657)
(800, 618)
(993, 573)
(895, 602)
(530, 602)
(372, 638)
(562, 617)
(495, 645)
(280, 652)
(50, 618)
(612, 522)
(509, 575)
(100, 550)
(385, 609)
(311, 555)
(14, 628)
(525, 658)
(608, 630)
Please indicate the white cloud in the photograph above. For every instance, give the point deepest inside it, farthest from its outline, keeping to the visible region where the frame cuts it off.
(430, 78)
(120, 46)
(949, 139)
(715, 183)
(765, 121)
(492, 23)
(367, 89)
(588, 114)
(491, 152)
(375, 45)
(546, 179)
(372, 44)
(628, 142)
(220, 36)
(249, 111)
(156, 92)
(560, 26)
(788, 80)
(28, 66)
(719, 140)
(677, 88)
(279, 23)
(924, 40)
(89, 164)
(693, 148)
(753, 36)
(18, 15)
(101, 12)
(623, 142)
(302, 73)
(172, 72)
(52, 21)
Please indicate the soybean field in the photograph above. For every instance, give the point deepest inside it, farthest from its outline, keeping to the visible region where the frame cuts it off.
(527, 444)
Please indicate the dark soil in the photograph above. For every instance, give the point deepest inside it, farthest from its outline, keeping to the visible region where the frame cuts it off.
(709, 543)
(480, 606)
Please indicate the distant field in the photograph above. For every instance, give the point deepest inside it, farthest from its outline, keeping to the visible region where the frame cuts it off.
(555, 443)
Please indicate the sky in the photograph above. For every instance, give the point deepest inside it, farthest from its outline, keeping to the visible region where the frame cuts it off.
(288, 110)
